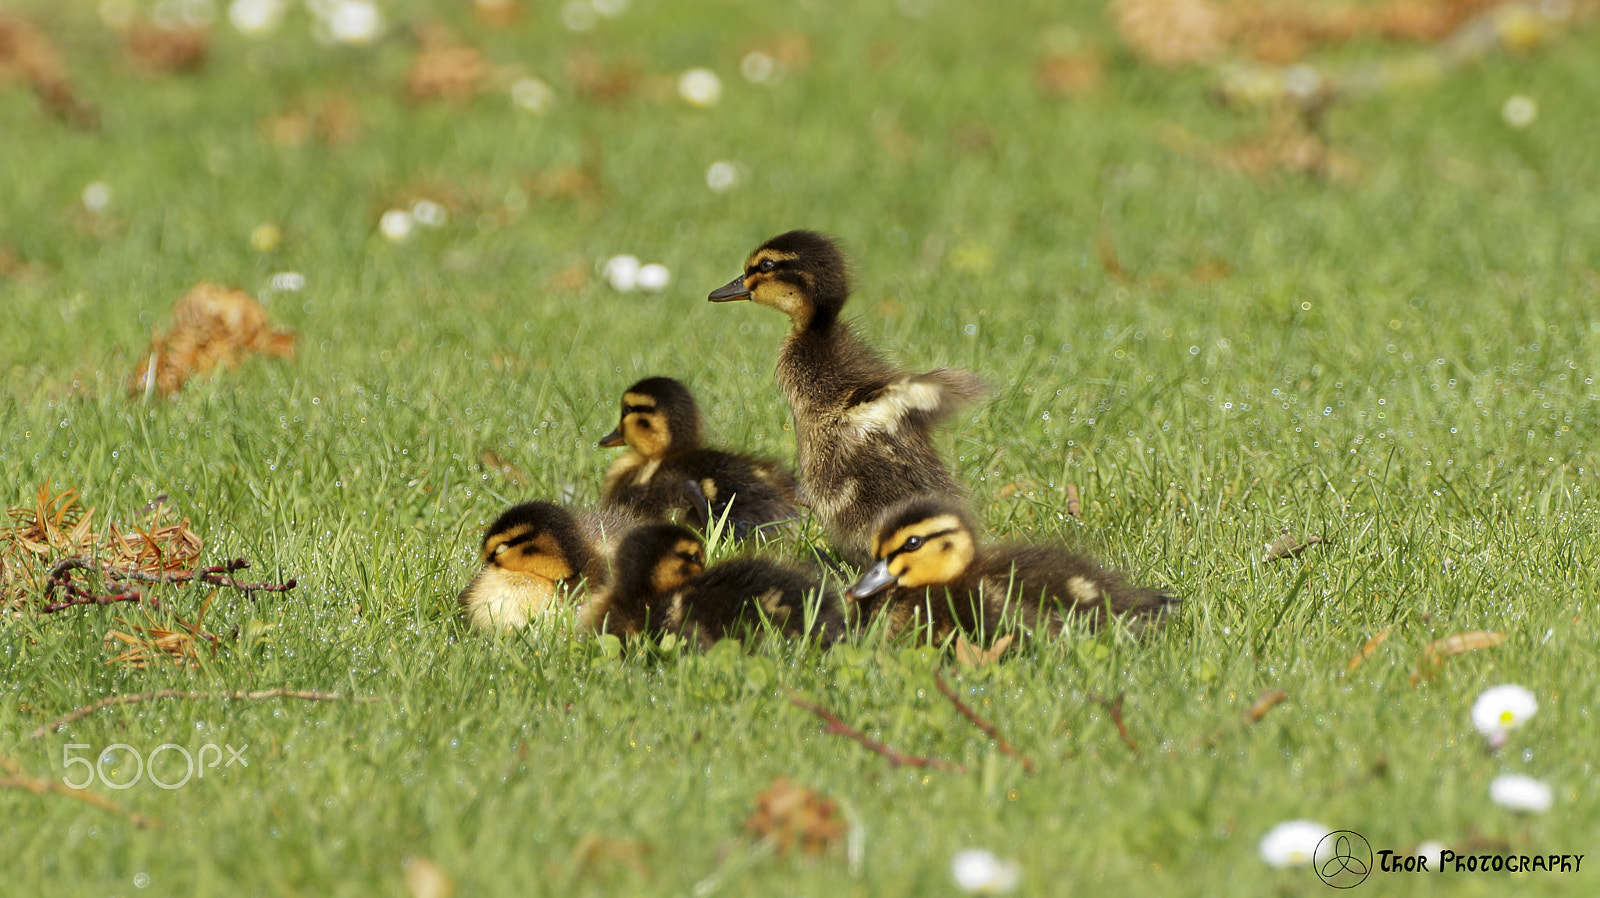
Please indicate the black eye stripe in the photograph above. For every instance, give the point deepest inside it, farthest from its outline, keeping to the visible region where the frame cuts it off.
(637, 409)
(905, 547)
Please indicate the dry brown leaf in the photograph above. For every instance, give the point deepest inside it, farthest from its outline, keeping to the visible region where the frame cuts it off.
(1367, 649)
(26, 51)
(1074, 502)
(792, 816)
(969, 655)
(426, 879)
(593, 850)
(1068, 74)
(454, 73)
(1460, 643)
(1287, 545)
(1435, 653)
(603, 82)
(1265, 703)
(1173, 33)
(493, 462)
(497, 12)
(212, 327)
(160, 49)
(153, 643)
(570, 279)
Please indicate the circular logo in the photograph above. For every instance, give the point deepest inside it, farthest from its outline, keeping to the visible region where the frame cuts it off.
(1343, 859)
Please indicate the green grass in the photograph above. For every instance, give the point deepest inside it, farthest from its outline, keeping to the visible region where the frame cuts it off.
(1403, 365)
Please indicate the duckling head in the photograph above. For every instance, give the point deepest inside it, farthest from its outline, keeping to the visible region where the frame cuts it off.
(540, 539)
(926, 541)
(658, 558)
(658, 415)
(802, 274)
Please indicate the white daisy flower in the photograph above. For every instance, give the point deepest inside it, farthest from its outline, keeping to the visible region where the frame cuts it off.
(1503, 708)
(355, 22)
(532, 94)
(429, 214)
(979, 872)
(653, 278)
(1292, 844)
(256, 18)
(622, 272)
(722, 176)
(1519, 111)
(396, 225)
(700, 87)
(1521, 793)
(97, 196)
(1431, 851)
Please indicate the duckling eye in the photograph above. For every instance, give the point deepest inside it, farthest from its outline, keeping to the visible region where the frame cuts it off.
(912, 544)
(767, 265)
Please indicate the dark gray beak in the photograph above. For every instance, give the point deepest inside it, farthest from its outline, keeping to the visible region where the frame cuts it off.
(612, 439)
(875, 580)
(734, 289)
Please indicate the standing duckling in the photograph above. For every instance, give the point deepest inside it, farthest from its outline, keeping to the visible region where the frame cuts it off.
(863, 428)
(931, 572)
(666, 471)
(662, 585)
(530, 552)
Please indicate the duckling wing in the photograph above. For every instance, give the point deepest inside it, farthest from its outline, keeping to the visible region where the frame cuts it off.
(1048, 584)
(759, 492)
(729, 599)
(918, 400)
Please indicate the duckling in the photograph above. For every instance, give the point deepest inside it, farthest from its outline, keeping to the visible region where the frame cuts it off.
(662, 585)
(931, 572)
(862, 428)
(530, 552)
(666, 471)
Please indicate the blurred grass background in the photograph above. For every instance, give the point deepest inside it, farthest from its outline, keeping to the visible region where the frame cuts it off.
(1394, 351)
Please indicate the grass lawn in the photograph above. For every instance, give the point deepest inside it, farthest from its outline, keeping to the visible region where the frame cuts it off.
(1398, 358)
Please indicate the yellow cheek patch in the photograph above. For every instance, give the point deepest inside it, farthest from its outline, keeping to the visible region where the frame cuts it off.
(652, 440)
(497, 543)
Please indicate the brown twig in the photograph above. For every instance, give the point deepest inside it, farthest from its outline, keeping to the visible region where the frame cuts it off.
(78, 714)
(60, 576)
(1252, 715)
(1114, 710)
(987, 728)
(20, 780)
(837, 727)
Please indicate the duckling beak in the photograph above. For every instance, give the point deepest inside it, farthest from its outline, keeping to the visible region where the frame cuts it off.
(612, 440)
(875, 580)
(734, 289)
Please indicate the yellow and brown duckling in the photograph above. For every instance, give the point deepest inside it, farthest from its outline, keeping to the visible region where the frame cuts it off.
(667, 475)
(530, 554)
(662, 585)
(931, 572)
(863, 428)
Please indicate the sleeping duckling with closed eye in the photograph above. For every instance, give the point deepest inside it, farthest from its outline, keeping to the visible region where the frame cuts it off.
(931, 572)
(662, 585)
(666, 472)
(530, 553)
(863, 428)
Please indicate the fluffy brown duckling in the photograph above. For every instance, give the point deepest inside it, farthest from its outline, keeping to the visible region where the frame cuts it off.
(666, 473)
(863, 427)
(530, 553)
(662, 585)
(932, 572)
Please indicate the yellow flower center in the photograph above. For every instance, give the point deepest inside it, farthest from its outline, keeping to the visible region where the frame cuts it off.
(1507, 718)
